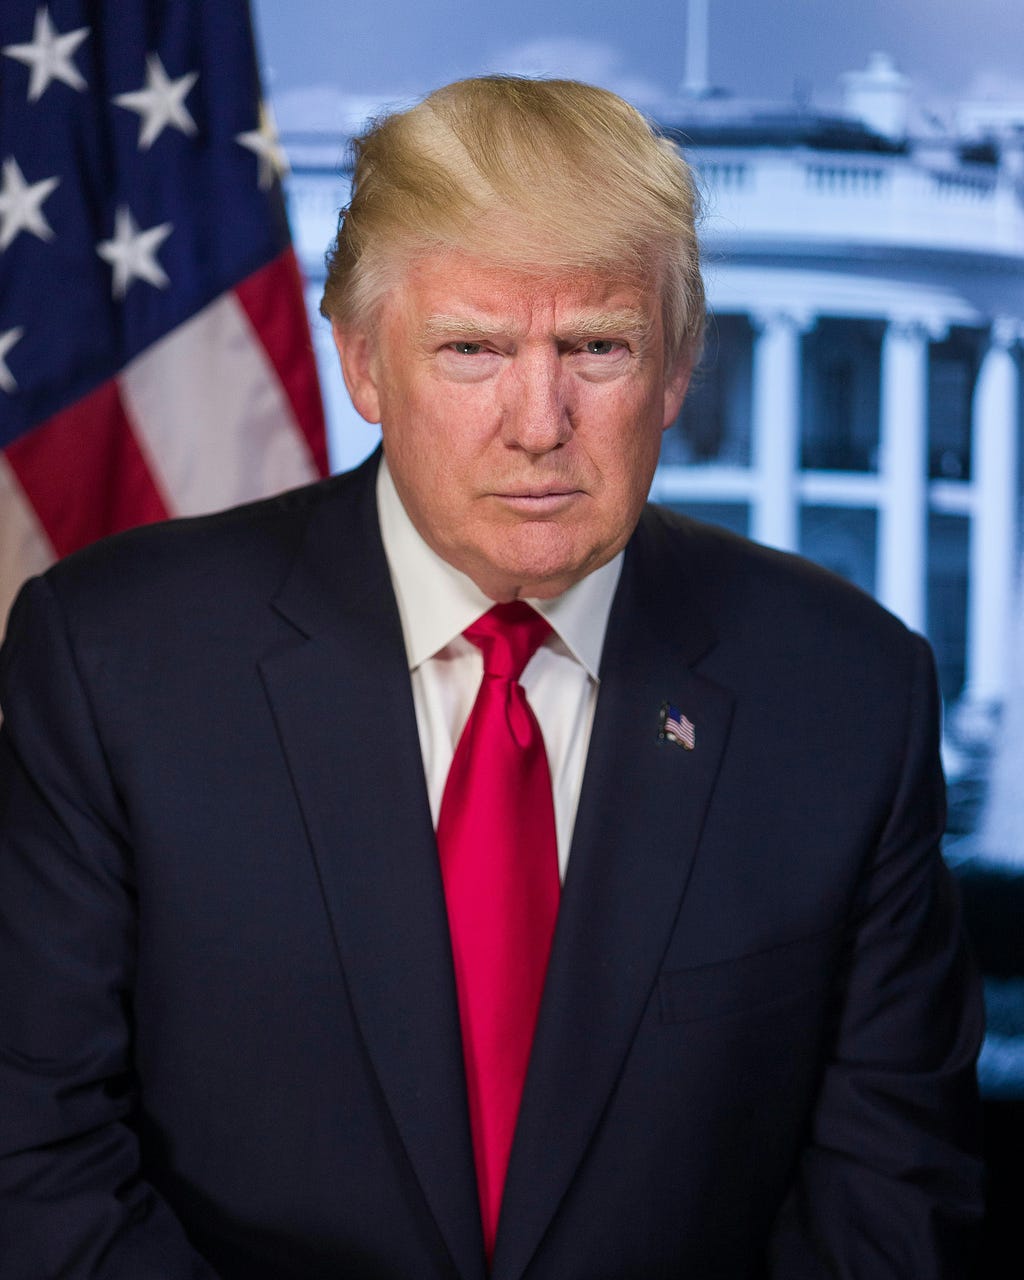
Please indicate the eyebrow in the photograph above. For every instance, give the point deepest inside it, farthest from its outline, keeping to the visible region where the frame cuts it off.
(625, 321)
(442, 326)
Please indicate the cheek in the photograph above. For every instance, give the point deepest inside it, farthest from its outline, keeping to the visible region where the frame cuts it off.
(455, 429)
(629, 440)
(428, 450)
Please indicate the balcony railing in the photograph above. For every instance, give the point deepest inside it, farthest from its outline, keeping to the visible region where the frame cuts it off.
(798, 201)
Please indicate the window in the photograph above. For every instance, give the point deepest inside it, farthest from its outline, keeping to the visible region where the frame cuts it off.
(714, 425)
(841, 373)
(952, 372)
(947, 599)
(843, 539)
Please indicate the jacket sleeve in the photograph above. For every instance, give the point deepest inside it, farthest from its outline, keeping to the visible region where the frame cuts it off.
(889, 1182)
(74, 1202)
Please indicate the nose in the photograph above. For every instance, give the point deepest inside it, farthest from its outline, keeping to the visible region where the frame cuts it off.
(538, 415)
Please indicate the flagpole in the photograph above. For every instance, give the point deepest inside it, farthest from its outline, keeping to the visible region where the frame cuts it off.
(696, 83)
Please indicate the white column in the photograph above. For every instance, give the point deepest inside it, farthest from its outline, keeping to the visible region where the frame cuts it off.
(903, 516)
(993, 535)
(776, 427)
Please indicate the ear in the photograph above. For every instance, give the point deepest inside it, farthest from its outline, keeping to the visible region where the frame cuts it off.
(676, 382)
(359, 368)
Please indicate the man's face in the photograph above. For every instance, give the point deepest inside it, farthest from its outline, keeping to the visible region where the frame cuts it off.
(521, 417)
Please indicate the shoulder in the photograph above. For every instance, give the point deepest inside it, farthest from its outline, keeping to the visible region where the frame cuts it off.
(824, 684)
(734, 574)
(774, 610)
(179, 613)
(217, 562)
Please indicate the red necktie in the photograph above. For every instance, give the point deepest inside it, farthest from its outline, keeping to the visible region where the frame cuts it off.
(499, 861)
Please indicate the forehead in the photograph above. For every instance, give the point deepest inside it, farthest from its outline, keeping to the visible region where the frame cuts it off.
(437, 290)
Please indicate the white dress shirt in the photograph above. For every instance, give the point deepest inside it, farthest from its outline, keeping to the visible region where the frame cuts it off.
(436, 603)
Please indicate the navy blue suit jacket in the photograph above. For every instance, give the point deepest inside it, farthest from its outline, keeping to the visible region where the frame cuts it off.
(229, 1041)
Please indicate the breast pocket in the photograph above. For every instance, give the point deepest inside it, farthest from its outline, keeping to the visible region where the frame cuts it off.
(762, 980)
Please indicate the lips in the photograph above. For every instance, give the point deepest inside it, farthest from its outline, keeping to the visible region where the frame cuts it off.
(544, 501)
(553, 492)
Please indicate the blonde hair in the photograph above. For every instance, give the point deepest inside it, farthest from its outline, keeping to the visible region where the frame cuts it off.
(545, 176)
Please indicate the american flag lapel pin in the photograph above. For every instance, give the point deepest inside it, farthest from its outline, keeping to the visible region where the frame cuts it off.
(674, 727)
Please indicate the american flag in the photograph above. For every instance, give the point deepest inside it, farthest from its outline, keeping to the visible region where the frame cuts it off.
(155, 356)
(677, 728)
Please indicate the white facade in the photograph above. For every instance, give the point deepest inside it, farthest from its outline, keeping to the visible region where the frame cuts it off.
(875, 287)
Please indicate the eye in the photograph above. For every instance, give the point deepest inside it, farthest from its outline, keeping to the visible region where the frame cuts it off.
(467, 348)
(599, 347)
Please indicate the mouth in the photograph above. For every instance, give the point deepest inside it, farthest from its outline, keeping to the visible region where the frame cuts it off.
(539, 501)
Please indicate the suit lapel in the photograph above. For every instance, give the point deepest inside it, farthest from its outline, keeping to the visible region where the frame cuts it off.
(639, 820)
(342, 702)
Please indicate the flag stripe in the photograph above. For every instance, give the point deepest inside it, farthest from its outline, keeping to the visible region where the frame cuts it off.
(24, 546)
(171, 373)
(273, 300)
(211, 414)
(84, 473)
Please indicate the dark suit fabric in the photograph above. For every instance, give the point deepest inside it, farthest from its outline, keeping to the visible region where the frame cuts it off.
(229, 1041)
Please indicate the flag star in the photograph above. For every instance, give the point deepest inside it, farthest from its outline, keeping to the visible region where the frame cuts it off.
(49, 55)
(132, 253)
(21, 204)
(7, 340)
(161, 103)
(265, 145)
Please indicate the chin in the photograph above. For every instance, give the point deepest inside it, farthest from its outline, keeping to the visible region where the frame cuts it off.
(537, 575)
(532, 558)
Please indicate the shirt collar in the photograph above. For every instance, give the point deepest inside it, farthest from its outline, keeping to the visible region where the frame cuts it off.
(436, 602)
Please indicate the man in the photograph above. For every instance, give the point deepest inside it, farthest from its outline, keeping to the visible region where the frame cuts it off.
(263, 1010)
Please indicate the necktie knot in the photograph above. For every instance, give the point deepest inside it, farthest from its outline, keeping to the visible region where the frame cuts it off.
(508, 636)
